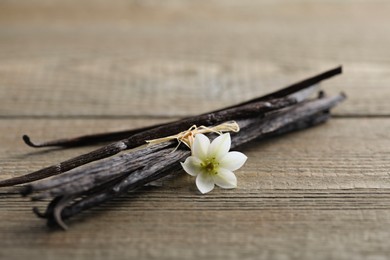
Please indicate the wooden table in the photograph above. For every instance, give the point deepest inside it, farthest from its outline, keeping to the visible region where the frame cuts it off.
(78, 67)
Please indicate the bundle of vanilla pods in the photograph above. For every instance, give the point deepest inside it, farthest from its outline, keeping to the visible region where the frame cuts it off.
(90, 179)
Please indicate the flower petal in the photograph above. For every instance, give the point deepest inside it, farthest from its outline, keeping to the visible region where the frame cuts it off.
(205, 183)
(200, 146)
(220, 146)
(233, 161)
(192, 166)
(225, 179)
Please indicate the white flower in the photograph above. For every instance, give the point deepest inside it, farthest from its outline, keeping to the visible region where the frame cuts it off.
(213, 163)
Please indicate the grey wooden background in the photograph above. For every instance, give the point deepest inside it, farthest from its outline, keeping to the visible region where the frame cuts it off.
(78, 67)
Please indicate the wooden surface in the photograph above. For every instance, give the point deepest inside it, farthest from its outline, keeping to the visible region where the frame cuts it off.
(71, 67)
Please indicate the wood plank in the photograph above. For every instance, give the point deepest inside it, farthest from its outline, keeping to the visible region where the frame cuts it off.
(133, 59)
(339, 154)
(317, 194)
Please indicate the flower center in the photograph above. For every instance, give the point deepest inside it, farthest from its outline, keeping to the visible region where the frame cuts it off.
(210, 166)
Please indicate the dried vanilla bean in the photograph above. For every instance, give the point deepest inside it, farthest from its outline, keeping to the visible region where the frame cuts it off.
(105, 168)
(104, 172)
(256, 108)
(289, 119)
(274, 101)
(78, 189)
(108, 168)
(117, 136)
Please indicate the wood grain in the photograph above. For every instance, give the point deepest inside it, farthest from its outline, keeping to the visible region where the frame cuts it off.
(133, 58)
(79, 67)
(319, 193)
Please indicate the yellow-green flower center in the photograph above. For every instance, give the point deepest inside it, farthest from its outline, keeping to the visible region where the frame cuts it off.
(210, 166)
